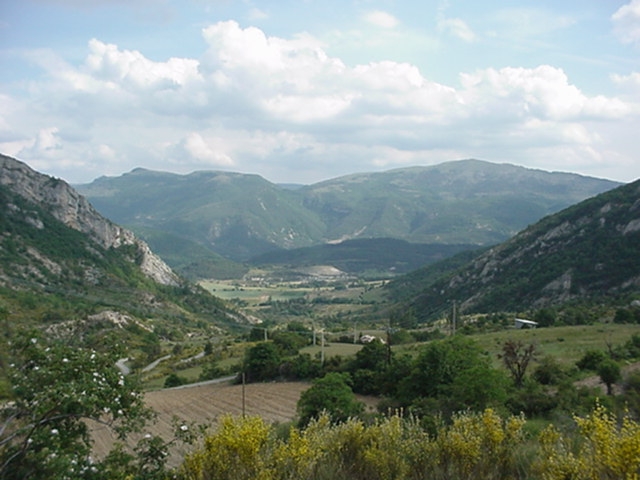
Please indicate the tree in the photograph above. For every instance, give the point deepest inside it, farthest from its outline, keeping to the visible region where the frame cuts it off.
(261, 362)
(331, 394)
(516, 356)
(289, 343)
(56, 390)
(477, 388)
(549, 371)
(545, 317)
(609, 372)
(591, 359)
(368, 368)
(437, 366)
(372, 356)
(174, 380)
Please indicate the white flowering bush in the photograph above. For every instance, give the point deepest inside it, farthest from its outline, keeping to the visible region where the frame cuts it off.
(54, 390)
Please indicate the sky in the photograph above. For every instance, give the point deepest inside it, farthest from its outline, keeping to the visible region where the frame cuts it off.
(307, 90)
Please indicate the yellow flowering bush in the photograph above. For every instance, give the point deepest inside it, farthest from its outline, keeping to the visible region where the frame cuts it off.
(474, 446)
(479, 445)
(607, 449)
(296, 457)
(239, 450)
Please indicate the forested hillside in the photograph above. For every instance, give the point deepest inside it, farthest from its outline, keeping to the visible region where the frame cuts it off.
(588, 251)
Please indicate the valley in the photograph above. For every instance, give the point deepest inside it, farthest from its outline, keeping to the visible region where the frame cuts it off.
(91, 310)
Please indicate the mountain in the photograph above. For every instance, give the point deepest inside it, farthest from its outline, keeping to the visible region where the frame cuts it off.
(242, 216)
(74, 211)
(67, 269)
(232, 214)
(588, 251)
(466, 201)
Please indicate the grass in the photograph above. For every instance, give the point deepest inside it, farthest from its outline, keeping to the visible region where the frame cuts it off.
(567, 344)
(333, 349)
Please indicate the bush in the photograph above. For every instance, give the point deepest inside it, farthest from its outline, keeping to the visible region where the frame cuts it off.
(174, 380)
(549, 372)
(591, 359)
(331, 394)
(607, 449)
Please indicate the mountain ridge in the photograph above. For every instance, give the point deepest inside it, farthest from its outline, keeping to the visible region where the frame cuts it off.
(241, 216)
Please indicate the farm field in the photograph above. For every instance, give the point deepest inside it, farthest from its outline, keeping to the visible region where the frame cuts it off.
(230, 290)
(323, 299)
(275, 402)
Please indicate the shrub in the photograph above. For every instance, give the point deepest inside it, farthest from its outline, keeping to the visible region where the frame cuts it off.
(590, 360)
(604, 449)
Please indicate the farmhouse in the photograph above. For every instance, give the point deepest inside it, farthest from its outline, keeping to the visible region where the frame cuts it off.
(522, 323)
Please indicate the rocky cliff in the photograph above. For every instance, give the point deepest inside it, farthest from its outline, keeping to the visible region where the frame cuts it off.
(68, 206)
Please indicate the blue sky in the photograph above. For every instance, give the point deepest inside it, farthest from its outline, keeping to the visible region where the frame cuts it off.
(302, 91)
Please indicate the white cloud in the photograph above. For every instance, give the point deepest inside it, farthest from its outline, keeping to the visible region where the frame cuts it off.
(131, 68)
(457, 28)
(255, 14)
(196, 148)
(542, 92)
(253, 100)
(626, 22)
(47, 140)
(631, 80)
(381, 19)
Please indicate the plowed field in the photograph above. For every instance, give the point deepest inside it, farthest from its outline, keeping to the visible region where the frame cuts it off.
(204, 404)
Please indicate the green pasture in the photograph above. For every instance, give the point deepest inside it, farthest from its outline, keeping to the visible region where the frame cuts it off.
(333, 349)
(567, 344)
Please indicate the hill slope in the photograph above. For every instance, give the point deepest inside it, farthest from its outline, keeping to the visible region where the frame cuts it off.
(466, 201)
(241, 216)
(232, 214)
(67, 269)
(591, 249)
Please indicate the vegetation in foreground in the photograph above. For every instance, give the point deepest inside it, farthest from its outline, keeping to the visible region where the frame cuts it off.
(457, 417)
(474, 445)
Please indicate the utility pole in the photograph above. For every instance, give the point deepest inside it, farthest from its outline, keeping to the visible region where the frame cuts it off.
(265, 335)
(243, 395)
(453, 319)
(322, 347)
(355, 332)
(389, 343)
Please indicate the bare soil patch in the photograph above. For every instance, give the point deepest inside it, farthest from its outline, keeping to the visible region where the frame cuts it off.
(595, 382)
